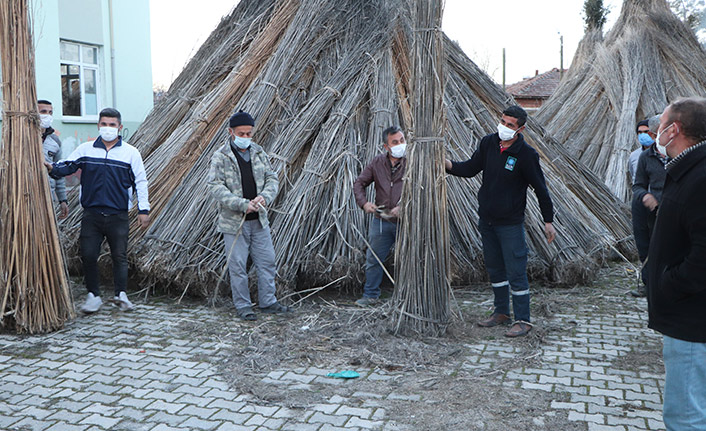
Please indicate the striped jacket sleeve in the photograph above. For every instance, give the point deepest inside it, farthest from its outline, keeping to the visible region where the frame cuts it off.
(138, 170)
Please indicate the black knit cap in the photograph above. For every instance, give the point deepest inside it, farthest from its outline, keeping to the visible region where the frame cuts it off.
(641, 123)
(241, 119)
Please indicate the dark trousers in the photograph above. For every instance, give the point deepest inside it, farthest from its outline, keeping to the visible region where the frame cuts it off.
(505, 253)
(114, 228)
(643, 220)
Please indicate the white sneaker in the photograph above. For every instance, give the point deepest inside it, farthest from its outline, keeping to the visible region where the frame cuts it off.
(122, 302)
(93, 303)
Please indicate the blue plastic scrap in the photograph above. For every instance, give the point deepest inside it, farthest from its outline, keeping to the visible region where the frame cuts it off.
(346, 374)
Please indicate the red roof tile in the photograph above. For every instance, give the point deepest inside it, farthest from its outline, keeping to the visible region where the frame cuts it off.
(538, 87)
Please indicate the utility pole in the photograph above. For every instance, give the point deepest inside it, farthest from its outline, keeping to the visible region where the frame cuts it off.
(503, 69)
(561, 55)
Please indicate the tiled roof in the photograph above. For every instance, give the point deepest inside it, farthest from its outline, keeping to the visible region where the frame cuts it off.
(538, 87)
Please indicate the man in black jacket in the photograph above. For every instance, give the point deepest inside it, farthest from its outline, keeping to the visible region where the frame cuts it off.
(646, 194)
(509, 165)
(676, 292)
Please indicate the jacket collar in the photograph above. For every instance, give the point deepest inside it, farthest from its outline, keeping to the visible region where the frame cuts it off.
(98, 143)
(225, 149)
(689, 158)
(515, 147)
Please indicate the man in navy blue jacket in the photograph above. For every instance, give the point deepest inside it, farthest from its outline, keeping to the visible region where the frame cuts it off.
(111, 173)
(509, 165)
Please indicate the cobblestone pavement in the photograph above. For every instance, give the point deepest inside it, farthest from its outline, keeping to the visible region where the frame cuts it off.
(137, 371)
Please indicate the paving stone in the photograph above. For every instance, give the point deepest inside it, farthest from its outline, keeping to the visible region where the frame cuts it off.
(326, 408)
(354, 411)
(63, 426)
(328, 419)
(165, 406)
(6, 421)
(194, 423)
(201, 412)
(259, 409)
(219, 403)
(101, 421)
(229, 416)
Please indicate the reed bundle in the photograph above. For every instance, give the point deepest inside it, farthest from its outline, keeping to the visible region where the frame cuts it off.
(422, 269)
(34, 288)
(647, 60)
(325, 86)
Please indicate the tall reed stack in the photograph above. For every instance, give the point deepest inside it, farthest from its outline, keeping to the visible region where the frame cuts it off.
(422, 288)
(34, 289)
(323, 79)
(647, 60)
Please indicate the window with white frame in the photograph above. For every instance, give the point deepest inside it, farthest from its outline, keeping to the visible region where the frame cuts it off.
(80, 78)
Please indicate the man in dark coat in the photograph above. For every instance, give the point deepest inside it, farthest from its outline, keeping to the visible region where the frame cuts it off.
(676, 292)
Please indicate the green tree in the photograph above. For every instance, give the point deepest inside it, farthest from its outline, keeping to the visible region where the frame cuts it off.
(595, 14)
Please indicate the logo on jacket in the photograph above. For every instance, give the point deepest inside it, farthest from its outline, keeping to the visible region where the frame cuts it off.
(511, 162)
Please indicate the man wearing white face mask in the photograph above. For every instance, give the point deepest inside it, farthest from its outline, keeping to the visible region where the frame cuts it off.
(676, 292)
(509, 166)
(52, 151)
(386, 171)
(242, 181)
(112, 172)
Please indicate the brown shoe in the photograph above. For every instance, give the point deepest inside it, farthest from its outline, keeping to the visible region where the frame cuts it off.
(495, 319)
(519, 329)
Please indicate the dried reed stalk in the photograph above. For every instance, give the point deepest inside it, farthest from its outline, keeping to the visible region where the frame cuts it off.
(648, 59)
(34, 289)
(422, 260)
(325, 88)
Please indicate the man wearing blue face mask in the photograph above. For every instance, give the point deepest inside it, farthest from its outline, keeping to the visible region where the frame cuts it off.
(386, 171)
(645, 141)
(509, 166)
(243, 183)
(112, 172)
(640, 213)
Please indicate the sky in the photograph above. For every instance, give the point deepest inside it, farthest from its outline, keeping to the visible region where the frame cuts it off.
(528, 30)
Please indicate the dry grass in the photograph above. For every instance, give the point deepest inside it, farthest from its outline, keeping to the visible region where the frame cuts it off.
(34, 294)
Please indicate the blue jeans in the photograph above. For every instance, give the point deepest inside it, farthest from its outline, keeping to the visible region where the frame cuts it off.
(685, 385)
(505, 253)
(381, 236)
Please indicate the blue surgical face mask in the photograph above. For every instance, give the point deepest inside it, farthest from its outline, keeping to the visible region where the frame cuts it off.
(242, 143)
(645, 139)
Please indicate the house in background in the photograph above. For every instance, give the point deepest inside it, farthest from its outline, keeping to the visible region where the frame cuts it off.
(90, 55)
(530, 93)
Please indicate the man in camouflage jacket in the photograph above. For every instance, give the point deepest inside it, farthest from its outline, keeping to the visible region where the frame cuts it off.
(243, 183)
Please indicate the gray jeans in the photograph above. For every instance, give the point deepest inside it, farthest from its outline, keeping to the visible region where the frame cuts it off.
(256, 241)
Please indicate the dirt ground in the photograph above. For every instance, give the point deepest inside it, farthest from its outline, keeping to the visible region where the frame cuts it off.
(327, 330)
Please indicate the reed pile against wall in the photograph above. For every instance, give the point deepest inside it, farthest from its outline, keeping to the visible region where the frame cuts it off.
(34, 292)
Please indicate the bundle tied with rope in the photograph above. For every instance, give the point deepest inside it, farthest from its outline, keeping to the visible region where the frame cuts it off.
(34, 287)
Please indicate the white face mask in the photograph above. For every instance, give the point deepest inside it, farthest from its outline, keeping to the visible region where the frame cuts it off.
(663, 148)
(242, 143)
(108, 134)
(398, 151)
(45, 120)
(505, 133)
